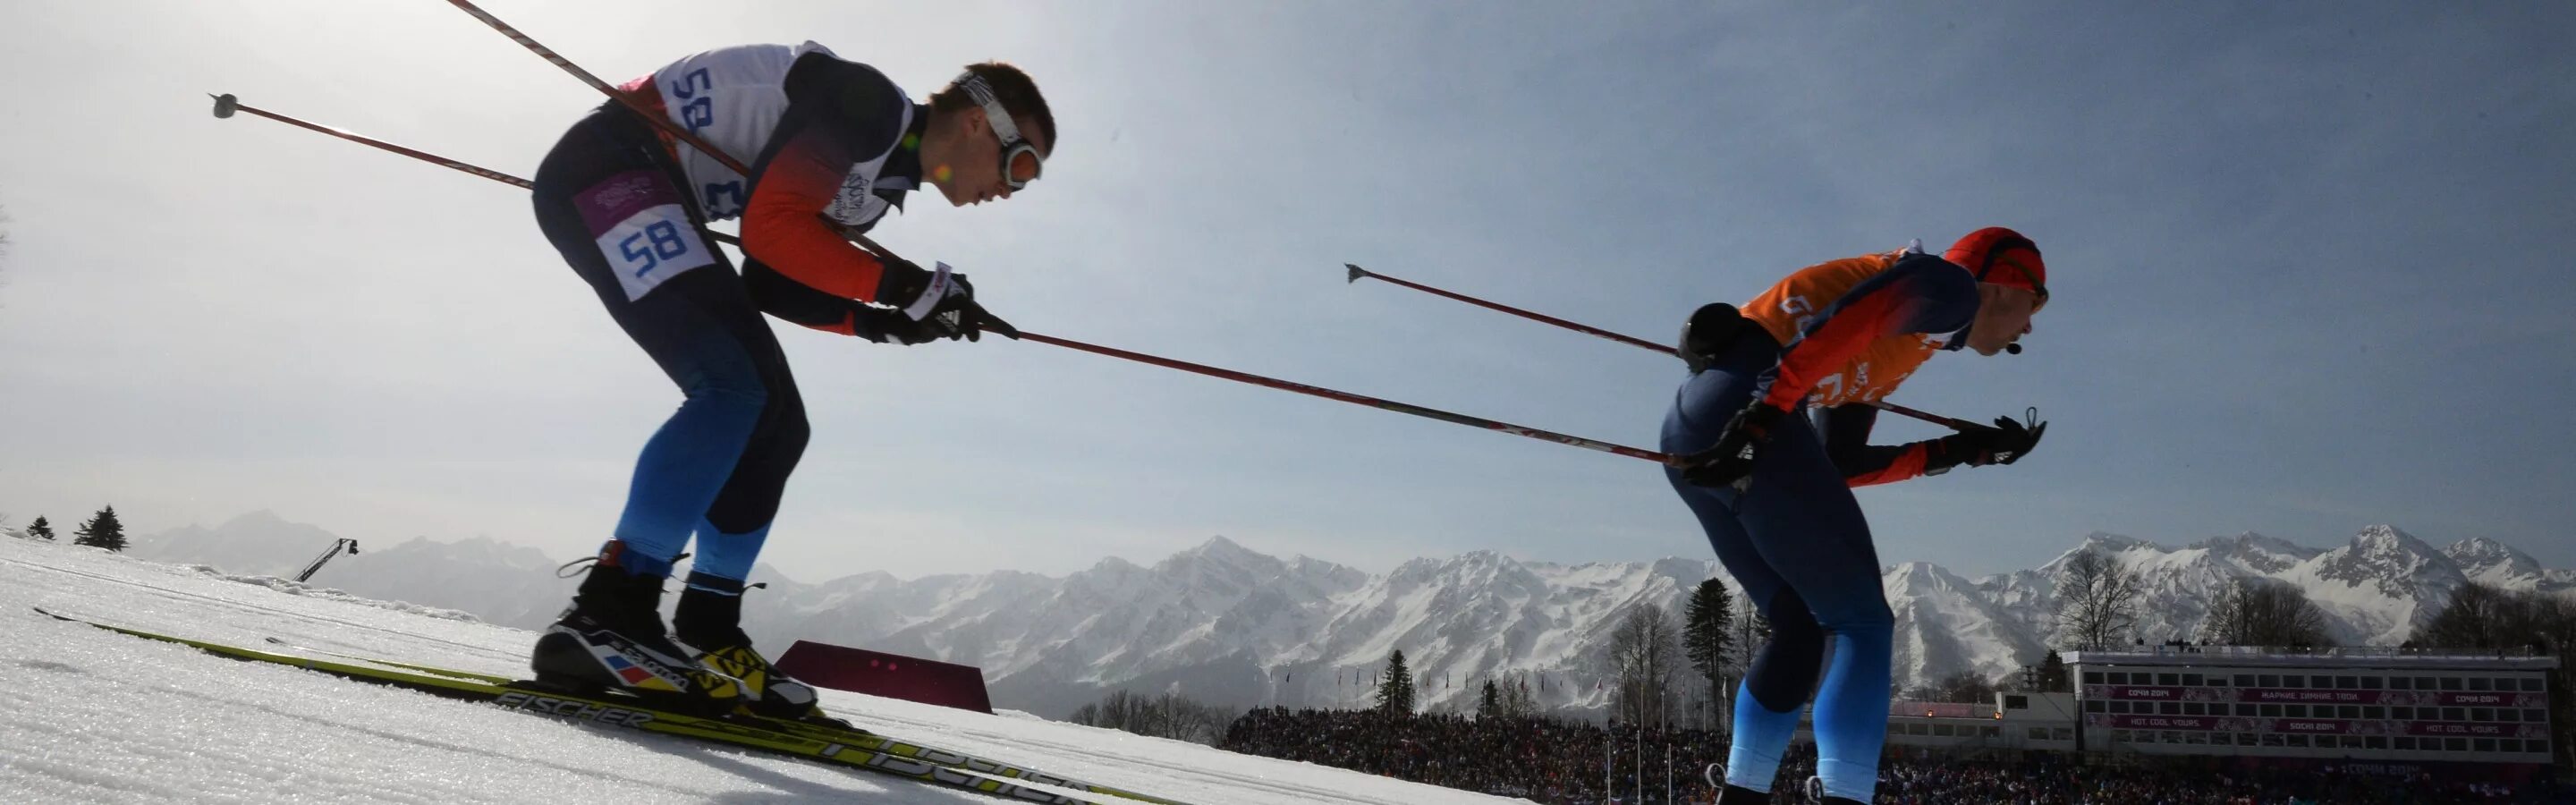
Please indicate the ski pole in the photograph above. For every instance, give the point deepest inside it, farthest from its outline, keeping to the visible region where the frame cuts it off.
(863, 241)
(1356, 399)
(226, 105)
(1358, 272)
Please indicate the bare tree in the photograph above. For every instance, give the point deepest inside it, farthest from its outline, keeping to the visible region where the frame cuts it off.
(1644, 658)
(2263, 612)
(2097, 602)
(1167, 716)
(1964, 686)
(2478, 616)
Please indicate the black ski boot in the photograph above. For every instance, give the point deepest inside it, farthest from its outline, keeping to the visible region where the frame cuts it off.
(1733, 794)
(1816, 791)
(612, 638)
(710, 620)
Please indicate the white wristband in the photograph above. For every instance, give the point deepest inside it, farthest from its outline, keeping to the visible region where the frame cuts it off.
(930, 296)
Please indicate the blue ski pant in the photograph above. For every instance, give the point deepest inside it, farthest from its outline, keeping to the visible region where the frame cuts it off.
(1797, 544)
(606, 198)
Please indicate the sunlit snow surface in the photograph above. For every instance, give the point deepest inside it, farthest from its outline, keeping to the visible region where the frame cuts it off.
(92, 716)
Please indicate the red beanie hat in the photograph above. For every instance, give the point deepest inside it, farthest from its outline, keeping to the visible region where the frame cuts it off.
(2003, 257)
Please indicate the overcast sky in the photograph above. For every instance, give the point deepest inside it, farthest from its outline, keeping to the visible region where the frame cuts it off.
(2308, 260)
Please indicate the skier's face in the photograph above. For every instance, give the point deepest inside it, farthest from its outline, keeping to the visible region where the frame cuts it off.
(2003, 317)
(971, 171)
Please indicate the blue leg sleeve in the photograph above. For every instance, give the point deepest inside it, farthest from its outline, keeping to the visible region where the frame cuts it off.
(681, 469)
(728, 556)
(1761, 735)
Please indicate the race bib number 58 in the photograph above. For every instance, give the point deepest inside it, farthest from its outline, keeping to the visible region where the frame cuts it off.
(643, 231)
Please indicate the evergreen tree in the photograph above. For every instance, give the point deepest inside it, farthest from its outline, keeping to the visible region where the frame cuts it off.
(102, 531)
(40, 528)
(1490, 703)
(2053, 677)
(1708, 634)
(1395, 689)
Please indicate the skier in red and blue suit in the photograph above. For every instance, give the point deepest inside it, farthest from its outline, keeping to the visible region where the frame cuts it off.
(831, 145)
(1773, 489)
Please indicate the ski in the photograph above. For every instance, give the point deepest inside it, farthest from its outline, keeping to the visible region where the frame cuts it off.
(863, 739)
(619, 711)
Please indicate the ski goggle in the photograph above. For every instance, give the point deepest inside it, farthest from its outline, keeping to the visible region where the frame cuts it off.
(1021, 162)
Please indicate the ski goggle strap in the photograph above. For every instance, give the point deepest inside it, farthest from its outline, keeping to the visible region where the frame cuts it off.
(1021, 162)
(2036, 288)
(2001, 252)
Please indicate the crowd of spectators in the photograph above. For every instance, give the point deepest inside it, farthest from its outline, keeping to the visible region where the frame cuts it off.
(1555, 762)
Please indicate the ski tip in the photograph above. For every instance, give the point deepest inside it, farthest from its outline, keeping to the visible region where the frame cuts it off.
(1356, 271)
(225, 104)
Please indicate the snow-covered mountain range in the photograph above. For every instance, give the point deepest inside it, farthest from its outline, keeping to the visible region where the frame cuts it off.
(1231, 626)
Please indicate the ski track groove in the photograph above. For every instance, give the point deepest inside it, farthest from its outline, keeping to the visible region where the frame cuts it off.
(1311, 793)
(263, 611)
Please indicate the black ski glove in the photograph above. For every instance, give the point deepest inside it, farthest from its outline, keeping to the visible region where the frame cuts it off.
(941, 304)
(1979, 445)
(885, 325)
(958, 315)
(1730, 461)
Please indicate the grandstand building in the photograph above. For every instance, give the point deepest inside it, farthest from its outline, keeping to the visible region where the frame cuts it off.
(2013, 721)
(2365, 705)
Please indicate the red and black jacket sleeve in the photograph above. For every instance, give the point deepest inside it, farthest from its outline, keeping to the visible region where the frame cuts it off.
(843, 120)
(1845, 431)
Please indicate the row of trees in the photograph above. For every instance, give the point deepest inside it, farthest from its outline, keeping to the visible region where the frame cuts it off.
(102, 531)
(1170, 715)
(2098, 600)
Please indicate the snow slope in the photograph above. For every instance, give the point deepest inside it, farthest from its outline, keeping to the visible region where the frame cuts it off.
(91, 716)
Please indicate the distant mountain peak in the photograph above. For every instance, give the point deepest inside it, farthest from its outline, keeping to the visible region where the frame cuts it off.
(2256, 552)
(1220, 551)
(2492, 562)
(2114, 543)
(2389, 537)
(2255, 540)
